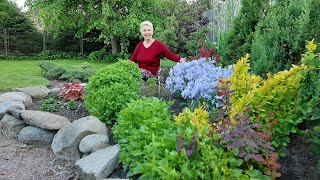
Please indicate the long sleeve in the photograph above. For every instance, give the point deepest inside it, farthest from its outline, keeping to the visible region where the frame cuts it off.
(135, 53)
(170, 55)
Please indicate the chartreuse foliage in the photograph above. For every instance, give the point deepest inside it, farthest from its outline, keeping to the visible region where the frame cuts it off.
(242, 81)
(272, 101)
(109, 90)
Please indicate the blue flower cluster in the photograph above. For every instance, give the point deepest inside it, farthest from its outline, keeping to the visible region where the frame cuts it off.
(196, 79)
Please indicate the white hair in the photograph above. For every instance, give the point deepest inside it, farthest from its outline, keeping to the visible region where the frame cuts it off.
(145, 23)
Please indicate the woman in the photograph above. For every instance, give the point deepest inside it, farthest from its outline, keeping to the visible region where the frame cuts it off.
(148, 53)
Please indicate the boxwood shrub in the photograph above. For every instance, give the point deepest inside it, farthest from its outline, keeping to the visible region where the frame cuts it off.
(109, 90)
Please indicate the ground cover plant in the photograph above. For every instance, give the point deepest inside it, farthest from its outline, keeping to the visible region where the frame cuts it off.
(79, 73)
(197, 79)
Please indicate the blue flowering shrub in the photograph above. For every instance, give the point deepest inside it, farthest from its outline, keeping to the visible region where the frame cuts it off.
(197, 79)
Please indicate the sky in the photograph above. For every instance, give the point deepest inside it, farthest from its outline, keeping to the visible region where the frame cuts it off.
(20, 3)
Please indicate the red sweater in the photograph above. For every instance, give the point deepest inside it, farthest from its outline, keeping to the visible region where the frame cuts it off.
(149, 58)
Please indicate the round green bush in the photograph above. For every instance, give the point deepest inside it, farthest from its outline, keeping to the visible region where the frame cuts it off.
(109, 90)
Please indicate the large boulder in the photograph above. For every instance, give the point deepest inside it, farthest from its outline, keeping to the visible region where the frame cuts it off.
(66, 142)
(11, 126)
(35, 136)
(4, 106)
(100, 164)
(16, 96)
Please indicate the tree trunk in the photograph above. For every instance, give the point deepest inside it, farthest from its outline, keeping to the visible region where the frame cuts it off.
(114, 45)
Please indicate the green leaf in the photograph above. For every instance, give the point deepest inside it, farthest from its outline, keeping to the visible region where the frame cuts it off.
(236, 172)
(189, 130)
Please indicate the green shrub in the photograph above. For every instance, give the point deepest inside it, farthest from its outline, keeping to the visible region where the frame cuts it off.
(279, 40)
(104, 55)
(109, 90)
(52, 55)
(129, 67)
(46, 65)
(193, 43)
(309, 90)
(313, 137)
(85, 65)
(138, 124)
(98, 55)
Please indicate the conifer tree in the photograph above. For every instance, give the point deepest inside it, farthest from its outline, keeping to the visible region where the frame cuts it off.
(238, 40)
(280, 37)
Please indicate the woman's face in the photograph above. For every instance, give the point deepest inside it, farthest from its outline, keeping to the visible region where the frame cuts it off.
(147, 32)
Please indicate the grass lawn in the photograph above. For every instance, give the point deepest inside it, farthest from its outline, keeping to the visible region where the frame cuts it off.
(24, 73)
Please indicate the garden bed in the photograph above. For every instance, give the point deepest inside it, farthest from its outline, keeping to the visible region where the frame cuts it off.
(19, 161)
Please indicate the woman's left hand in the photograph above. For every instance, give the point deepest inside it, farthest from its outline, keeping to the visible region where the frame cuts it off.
(183, 60)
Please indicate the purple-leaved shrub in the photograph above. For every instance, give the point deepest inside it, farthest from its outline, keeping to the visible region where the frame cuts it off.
(197, 79)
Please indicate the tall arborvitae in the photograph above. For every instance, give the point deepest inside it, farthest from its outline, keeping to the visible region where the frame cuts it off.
(238, 40)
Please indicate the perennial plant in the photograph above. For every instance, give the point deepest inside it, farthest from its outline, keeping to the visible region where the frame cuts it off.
(196, 79)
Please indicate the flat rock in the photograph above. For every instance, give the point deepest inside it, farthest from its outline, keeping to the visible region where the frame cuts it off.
(44, 120)
(34, 91)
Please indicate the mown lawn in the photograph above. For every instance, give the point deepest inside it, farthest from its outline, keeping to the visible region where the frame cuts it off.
(24, 73)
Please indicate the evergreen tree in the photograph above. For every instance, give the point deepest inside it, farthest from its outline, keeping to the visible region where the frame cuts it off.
(238, 40)
(12, 18)
(24, 38)
(281, 36)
